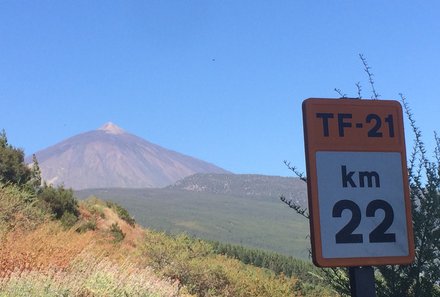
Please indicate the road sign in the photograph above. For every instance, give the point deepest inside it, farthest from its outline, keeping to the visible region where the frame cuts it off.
(357, 182)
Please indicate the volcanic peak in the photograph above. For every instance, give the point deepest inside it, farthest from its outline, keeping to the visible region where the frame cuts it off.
(111, 128)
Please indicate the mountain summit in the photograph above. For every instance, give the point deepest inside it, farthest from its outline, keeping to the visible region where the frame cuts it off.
(112, 157)
(112, 128)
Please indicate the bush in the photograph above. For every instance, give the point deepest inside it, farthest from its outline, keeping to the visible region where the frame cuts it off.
(68, 219)
(122, 213)
(95, 206)
(184, 259)
(17, 209)
(87, 226)
(201, 272)
(202, 279)
(58, 201)
(117, 233)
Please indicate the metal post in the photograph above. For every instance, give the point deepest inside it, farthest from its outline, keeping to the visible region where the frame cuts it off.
(362, 281)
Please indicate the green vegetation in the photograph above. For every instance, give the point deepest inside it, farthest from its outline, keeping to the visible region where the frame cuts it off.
(261, 223)
(117, 233)
(310, 278)
(60, 203)
(17, 210)
(12, 167)
(35, 179)
(87, 226)
(95, 206)
(122, 213)
(196, 266)
(421, 278)
(280, 264)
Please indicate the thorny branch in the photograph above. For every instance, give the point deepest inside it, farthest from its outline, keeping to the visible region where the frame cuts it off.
(341, 94)
(367, 69)
(295, 171)
(299, 210)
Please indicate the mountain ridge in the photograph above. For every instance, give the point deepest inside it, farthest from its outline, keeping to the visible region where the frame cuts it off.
(255, 185)
(112, 157)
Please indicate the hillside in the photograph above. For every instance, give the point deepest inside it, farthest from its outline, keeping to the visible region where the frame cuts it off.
(106, 254)
(245, 185)
(238, 209)
(40, 257)
(112, 157)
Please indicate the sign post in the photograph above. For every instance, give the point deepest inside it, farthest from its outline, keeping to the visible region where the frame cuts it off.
(360, 211)
(362, 281)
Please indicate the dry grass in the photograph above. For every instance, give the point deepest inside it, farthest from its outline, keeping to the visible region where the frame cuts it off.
(47, 260)
(87, 275)
(50, 261)
(46, 247)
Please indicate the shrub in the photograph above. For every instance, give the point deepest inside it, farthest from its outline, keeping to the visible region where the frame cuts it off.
(95, 206)
(122, 213)
(87, 226)
(68, 219)
(182, 258)
(117, 233)
(201, 272)
(98, 210)
(58, 201)
(17, 209)
(201, 278)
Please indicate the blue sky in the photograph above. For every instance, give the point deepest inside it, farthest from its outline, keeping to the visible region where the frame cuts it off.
(222, 81)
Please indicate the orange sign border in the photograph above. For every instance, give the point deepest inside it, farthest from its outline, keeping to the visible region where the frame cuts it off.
(312, 186)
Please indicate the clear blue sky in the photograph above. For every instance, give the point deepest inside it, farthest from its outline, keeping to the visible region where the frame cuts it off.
(220, 80)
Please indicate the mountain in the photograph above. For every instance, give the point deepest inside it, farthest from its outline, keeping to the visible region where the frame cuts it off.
(111, 157)
(235, 208)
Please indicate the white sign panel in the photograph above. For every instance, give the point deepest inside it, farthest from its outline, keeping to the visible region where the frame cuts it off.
(361, 203)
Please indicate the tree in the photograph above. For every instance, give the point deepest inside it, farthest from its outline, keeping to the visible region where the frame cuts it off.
(12, 167)
(35, 175)
(421, 278)
(59, 202)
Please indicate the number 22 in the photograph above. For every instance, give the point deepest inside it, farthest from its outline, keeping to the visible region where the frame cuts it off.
(345, 235)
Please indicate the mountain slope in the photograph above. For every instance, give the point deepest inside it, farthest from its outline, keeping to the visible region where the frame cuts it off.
(111, 157)
(238, 209)
(245, 185)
